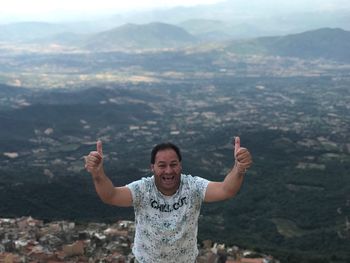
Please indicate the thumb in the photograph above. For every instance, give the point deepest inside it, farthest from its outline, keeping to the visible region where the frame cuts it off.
(99, 147)
(237, 144)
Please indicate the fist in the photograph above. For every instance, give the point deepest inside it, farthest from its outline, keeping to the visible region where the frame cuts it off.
(94, 161)
(243, 157)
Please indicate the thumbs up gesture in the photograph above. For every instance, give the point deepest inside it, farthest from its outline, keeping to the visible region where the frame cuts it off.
(94, 161)
(242, 156)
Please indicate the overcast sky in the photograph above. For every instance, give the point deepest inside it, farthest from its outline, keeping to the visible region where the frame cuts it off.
(63, 10)
(59, 9)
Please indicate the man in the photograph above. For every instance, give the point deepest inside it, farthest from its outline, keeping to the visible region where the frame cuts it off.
(167, 205)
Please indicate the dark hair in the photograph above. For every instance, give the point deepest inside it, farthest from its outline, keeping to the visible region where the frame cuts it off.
(164, 146)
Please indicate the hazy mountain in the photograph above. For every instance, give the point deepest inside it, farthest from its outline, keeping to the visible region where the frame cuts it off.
(328, 43)
(333, 44)
(152, 35)
(207, 29)
(254, 18)
(228, 19)
(218, 30)
(28, 31)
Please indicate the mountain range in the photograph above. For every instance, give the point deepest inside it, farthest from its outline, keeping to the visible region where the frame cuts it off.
(326, 43)
(225, 19)
(294, 29)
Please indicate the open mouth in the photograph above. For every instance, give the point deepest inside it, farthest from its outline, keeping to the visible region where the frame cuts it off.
(168, 179)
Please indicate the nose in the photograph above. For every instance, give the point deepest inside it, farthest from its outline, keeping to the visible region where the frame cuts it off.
(168, 169)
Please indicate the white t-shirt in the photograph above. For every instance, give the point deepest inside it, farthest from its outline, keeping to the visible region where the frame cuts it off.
(166, 226)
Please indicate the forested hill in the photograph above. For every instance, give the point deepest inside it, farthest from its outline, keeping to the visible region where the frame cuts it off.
(153, 35)
(326, 43)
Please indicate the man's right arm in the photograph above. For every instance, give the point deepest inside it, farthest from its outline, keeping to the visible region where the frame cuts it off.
(119, 196)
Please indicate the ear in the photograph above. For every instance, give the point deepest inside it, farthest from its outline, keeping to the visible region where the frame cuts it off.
(152, 167)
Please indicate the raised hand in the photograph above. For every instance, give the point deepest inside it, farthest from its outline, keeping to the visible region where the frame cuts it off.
(94, 161)
(242, 156)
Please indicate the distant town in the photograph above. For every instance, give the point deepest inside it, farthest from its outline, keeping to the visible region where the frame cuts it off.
(27, 239)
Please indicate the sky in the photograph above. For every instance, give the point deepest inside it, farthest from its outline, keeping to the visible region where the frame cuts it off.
(75, 10)
(44, 10)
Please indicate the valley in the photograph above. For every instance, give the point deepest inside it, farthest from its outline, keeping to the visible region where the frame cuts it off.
(296, 128)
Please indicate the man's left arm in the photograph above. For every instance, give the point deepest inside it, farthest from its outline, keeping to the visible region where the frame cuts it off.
(218, 191)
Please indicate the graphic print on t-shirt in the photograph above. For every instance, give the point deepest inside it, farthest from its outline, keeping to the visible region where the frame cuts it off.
(162, 207)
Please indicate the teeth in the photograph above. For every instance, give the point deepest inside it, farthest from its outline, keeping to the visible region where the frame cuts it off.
(168, 178)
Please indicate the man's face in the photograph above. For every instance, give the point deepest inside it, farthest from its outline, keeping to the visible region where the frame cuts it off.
(167, 171)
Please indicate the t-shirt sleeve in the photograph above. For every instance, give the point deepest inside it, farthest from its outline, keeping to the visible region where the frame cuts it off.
(135, 188)
(201, 185)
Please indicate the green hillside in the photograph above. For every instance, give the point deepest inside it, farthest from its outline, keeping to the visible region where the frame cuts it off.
(152, 35)
(326, 43)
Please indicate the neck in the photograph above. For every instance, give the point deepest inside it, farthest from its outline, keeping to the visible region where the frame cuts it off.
(167, 192)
